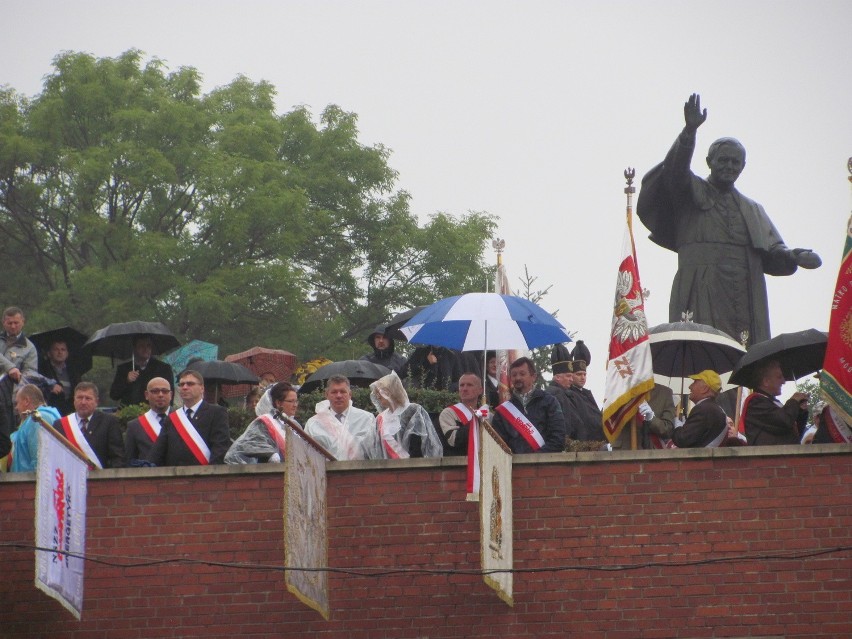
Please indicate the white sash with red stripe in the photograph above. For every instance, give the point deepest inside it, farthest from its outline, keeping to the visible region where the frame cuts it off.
(72, 432)
(521, 424)
(193, 440)
(150, 423)
(274, 432)
(387, 429)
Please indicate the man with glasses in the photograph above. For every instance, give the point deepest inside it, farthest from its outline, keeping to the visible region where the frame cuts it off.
(143, 431)
(196, 434)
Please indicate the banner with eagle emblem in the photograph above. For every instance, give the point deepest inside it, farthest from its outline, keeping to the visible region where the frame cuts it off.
(629, 372)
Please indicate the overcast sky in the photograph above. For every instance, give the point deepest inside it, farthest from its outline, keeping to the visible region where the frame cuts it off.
(531, 111)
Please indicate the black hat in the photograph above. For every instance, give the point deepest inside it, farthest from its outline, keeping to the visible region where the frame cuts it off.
(581, 356)
(560, 360)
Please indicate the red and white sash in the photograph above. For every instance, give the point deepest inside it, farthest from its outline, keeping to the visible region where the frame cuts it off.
(197, 446)
(72, 432)
(274, 432)
(150, 423)
(521, 424)
(838, 429)
(466, 416)
(392, 447)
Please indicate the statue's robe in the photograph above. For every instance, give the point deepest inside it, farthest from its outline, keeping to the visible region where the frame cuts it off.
(725, 243)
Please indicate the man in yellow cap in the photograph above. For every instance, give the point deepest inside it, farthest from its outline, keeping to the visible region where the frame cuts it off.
(706, 426)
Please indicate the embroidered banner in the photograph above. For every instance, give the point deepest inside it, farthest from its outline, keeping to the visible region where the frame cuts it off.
(60, 522)
(495, 513)
(305, 523)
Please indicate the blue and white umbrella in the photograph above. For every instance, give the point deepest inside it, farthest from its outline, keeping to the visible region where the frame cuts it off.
(484, 321)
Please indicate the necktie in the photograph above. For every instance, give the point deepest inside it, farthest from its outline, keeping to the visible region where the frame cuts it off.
(84, 425)
(339, 417)
(163, 419)
(189, 413)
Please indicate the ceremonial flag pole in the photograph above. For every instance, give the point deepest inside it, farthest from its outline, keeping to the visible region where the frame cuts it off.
(629, 372)
(504, 357)
(836, 377)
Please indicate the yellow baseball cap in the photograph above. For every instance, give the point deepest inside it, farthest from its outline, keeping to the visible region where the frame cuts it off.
(711, 378)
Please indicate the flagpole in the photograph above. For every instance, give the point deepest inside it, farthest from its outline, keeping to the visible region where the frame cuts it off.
(629, 190)
(59, 436)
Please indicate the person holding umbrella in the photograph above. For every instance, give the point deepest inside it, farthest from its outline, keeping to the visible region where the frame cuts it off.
(131, 378)
(55, 365)
(768, 422)
(707, 425)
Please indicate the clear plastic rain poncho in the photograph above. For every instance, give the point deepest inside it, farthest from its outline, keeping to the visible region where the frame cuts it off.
(263, 440)
(405, 429)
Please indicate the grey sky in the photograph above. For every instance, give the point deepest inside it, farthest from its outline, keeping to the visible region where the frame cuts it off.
(531, 111)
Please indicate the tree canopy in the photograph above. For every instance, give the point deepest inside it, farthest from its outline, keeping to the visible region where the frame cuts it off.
(126, 193)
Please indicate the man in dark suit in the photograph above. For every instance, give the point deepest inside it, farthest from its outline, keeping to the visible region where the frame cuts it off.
(197, 433)
(101, 430)
(707, 424)
(143, 431)
(131, 378)
(767, 421)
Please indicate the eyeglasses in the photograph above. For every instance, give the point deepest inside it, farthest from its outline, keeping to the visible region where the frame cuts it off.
(159, 391)
(188, 384)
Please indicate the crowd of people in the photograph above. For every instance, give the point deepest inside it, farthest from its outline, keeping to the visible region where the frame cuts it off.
(531, 420)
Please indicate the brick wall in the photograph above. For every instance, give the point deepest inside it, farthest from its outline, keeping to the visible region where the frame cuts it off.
(705, 534)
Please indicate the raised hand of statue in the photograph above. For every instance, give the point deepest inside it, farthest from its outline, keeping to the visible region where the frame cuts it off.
(693, 116)
(806, 258)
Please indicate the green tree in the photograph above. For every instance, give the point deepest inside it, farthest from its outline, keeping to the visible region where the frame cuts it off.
(125, 193)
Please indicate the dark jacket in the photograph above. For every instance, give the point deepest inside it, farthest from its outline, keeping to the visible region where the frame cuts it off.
(104, 436)
(442, 375)
(387, 357)
(767, 423)
(211, 422)
(137, 444)
(126, 393)
(590, 425)
(568, 403)
(65, 405)
(544, 412)
(705, 423)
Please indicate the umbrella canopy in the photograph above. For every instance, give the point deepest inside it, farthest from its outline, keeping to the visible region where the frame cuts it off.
(116, 340)
(359, 372)
(680, 349)
(392, 328)
(220, 372)
(799, 354)
(74, 339)
(196, 349)
(484, 321)
(261, 361)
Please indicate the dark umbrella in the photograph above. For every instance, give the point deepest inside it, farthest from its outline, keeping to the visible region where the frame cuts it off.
(398, 320)
(116, 340)
(74, 339)
(799, 354)
(220, 372)
(359, 372)
(680, 349)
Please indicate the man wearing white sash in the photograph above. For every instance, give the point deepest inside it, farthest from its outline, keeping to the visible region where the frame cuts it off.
(143, 431)
(531, 421)
(264, 439)
(457, 420)
(95, 433)
(196, 434)
(342, 429)
(707, 425)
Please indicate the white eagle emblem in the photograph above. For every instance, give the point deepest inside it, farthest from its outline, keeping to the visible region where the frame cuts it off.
(629, 322)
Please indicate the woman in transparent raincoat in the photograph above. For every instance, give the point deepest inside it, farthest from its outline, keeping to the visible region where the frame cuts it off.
(263, 440)
(405, 429)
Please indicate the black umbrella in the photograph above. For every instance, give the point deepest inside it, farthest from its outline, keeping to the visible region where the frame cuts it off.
(74, 339)
(680, 349)
(799, 354)
(220, 372)
(398, 320)
(360, 373)
(116, 340)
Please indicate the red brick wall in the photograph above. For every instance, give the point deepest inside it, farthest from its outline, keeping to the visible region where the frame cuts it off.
(711, 526)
